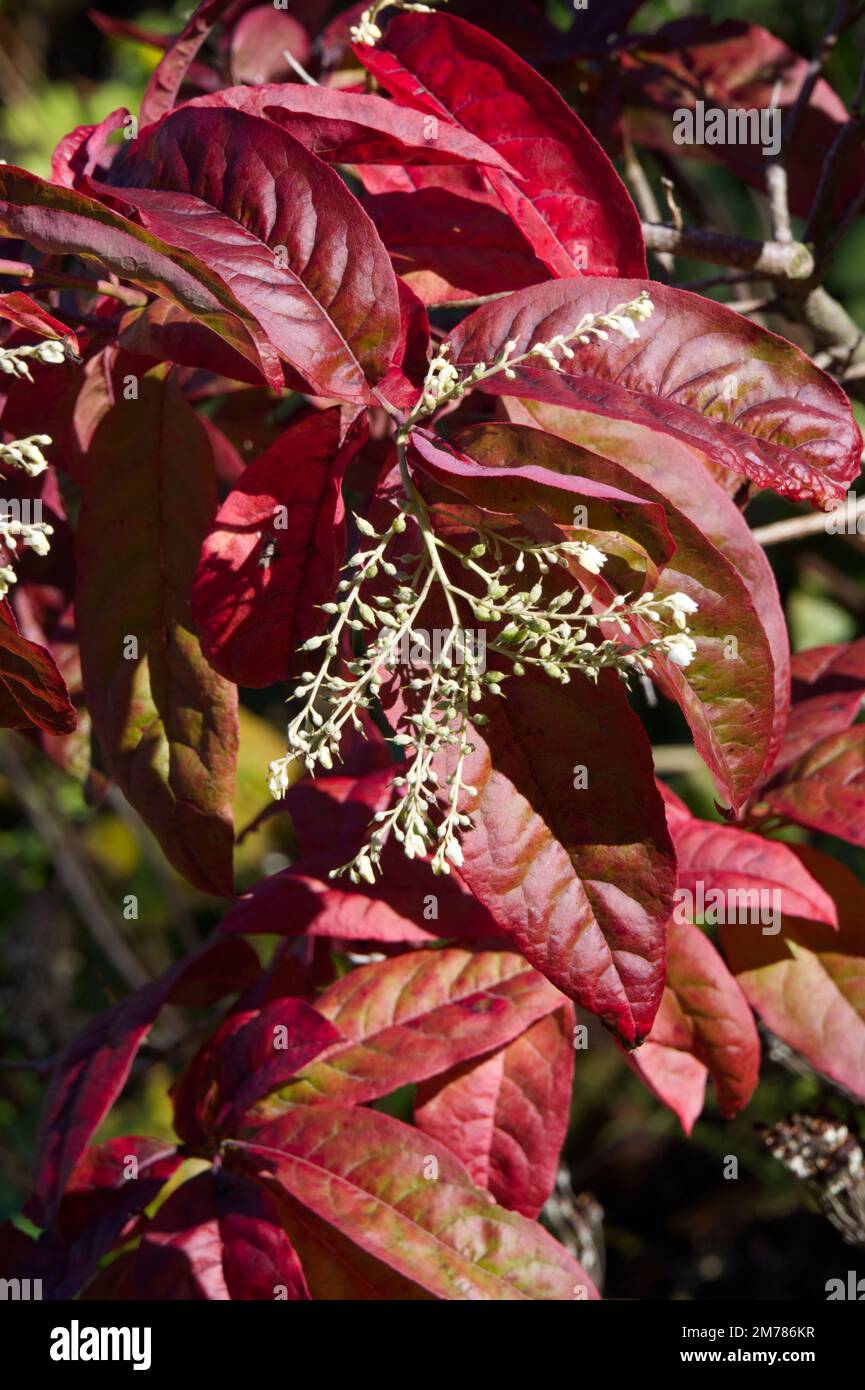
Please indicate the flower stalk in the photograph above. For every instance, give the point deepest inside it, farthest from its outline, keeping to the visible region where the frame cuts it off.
(519, 619)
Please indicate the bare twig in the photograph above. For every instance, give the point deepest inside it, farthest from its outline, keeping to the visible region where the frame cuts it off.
(794, 527)
(777, 260)
(670, 196)
(645, 198)
(844, 16)
(779, 207)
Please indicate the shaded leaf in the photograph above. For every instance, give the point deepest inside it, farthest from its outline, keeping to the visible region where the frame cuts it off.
(217, 1238)
(166, 723)
(252, 1052)
(92, 1071)
(272, 554)
(33, 694)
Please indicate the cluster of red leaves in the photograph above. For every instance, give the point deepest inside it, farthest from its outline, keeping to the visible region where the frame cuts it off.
(232, 257)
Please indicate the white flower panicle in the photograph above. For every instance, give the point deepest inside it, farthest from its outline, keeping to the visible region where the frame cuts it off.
(528, 623)
(525, 628)
(367, 30)
(26, 454)
(14, 361)
(445, 383)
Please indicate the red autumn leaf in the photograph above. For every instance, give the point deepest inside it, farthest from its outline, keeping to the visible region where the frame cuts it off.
(722, 859)
(281, 229)
(567, 198)
(356, 128)
(125, 1174)
(91, 1073)
(581, 880)
(177, 62)
(825, 788)
(273, 551)
(408, 904)
(808, 983)
(438, 1231)
(104, 1198)
(732, 706)
(525, 472)
(33, 694)
(705, 1015)
(24, 312)
(758, 405)
(448, 247)
(402, 382)
(506, 1115)
(165, 332)
(739, 68)
(62, 222)
(259, 41)
(414, 1015)
(87, 151)
(251, 1053)
(217, 1237)
(677, 1079)
(717, 539)
(827, 692)
(166, 723)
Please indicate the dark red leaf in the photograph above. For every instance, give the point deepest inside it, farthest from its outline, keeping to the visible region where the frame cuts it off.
(217, 1237)
(251, 1054)
(448, 247)
(272, 554)
(33, 694)
(281, 230)
(166, 723)
(356, 128)
(567, 198)
(582, 881)
(758, 405)
(173, 68)
(63, 222)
